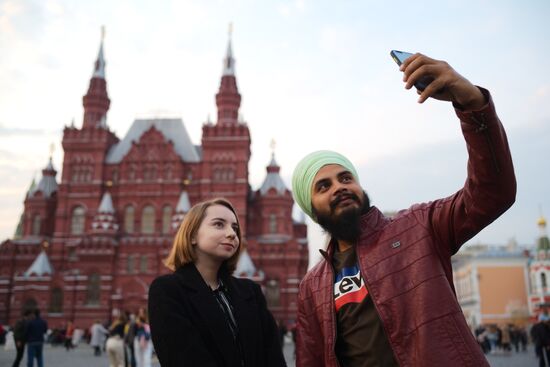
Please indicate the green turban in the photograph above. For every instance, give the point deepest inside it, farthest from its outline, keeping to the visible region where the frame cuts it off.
(305, 171)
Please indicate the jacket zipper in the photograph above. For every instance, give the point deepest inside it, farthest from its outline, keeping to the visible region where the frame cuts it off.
(484, 128)
(376, 306)
(333, 306)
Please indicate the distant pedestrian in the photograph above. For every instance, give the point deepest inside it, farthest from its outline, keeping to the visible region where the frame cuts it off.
(540, 332)
(115, 342)
(143, 346)
(97, 337)
(69, 331)
(505, 338)
(36, 330)
(201, 315)
(19, 334)
(129, 336)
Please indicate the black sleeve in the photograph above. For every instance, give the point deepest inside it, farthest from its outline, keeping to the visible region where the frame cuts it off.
(272, 347)
(177, 342)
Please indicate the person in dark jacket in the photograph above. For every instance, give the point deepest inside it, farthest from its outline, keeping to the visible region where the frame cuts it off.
(19, 334)
(200, 315)
(540, 332)
(383, 295)
(36, 330)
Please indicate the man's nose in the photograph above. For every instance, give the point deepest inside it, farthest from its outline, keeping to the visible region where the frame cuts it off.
(339, 188)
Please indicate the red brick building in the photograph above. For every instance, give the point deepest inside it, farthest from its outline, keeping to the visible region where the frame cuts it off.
(93, 242)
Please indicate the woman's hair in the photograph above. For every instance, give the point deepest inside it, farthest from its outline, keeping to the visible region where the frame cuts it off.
(183, 251)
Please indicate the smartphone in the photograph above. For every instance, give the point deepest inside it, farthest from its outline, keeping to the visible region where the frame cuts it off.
(399, 57)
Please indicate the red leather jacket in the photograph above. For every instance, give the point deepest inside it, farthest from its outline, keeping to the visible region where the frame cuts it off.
(406, 263)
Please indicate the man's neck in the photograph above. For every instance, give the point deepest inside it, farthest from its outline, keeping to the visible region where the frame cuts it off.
(344, 245)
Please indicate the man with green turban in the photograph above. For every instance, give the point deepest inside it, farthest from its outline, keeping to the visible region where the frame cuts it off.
(383, 294)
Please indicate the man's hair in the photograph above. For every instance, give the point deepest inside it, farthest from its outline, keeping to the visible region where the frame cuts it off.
(183, 251)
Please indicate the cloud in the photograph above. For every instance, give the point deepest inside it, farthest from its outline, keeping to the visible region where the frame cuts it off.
(288, 9)
(11, 131)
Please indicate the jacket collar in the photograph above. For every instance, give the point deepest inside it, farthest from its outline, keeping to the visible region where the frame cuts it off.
(192, 279)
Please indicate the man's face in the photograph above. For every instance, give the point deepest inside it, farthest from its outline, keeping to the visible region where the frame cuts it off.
(335, 192)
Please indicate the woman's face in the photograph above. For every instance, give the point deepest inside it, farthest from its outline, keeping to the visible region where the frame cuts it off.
(216, 239)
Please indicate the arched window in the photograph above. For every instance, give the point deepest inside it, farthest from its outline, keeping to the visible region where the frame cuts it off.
(78, 219)
(36, 223)
(148, 220)
(129, 218)
(272, 223)
(166, 219)
(143, 266)
(132, 172)
(130, 265)
(272, 293)
(168, 171)
(93, 290)
(56, 300)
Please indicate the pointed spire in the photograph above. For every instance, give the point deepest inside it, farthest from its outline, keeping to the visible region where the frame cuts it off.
(273, 179)
(32, 187)
(228, 99)
(181, 209)
(47, 184)
(99, 69)
(96, 102)
(273, 166)
(40, 267)
(19, 229)
(229, 61)
(106, 205)
(543, 243)
(245, 266)
(104, 221)
(183, 203)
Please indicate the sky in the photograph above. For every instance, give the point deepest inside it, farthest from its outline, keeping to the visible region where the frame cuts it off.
(312, 75)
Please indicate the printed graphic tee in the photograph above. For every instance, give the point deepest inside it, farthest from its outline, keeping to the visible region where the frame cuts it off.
(360, 337)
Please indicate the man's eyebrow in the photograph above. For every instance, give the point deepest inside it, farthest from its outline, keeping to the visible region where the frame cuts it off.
(343, 173)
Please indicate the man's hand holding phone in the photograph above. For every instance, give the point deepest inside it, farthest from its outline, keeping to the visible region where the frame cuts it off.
(437, 79)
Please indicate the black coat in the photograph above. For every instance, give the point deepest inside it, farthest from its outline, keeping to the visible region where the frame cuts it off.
(188, 327)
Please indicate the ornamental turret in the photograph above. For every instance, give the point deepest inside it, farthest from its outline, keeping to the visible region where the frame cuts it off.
(228, 99)
(96, 102)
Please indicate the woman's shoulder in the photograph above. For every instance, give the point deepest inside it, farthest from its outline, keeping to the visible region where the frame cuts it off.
(164, 280)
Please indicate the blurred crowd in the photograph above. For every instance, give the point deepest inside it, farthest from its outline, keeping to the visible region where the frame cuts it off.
(125, 340)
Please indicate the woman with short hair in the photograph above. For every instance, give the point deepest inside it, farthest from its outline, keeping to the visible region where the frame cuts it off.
(199, 314)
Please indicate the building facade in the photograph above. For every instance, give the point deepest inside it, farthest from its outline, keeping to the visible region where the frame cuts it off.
(92, 243)
(492, 285)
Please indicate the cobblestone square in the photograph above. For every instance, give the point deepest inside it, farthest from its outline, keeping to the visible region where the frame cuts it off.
(83, 356)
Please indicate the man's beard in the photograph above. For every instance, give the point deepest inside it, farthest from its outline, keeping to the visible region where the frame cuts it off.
(346, 226)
